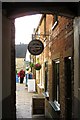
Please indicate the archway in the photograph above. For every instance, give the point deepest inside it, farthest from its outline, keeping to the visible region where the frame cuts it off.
(10, 12)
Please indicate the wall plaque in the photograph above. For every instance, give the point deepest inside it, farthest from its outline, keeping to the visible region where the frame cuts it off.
(35, 47)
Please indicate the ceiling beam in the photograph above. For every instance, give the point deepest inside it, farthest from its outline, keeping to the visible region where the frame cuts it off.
(19, 9)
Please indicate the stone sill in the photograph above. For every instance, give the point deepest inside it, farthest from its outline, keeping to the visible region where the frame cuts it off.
(55, 106)
(46, 95)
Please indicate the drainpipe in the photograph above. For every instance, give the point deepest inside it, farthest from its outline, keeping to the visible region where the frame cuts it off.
(44, 26)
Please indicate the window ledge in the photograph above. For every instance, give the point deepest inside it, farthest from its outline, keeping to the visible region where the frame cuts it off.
(46, 95)
(55, 105)
(40, 86)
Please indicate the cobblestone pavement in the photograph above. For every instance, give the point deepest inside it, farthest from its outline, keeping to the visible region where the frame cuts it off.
(23, 101)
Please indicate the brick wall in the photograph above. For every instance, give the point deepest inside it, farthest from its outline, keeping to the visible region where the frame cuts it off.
(60, 45)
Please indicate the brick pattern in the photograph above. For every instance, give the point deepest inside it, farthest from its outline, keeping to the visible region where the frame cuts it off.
(62, 42)
(49, 21)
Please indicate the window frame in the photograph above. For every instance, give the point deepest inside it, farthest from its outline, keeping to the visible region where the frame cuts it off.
(55, 82)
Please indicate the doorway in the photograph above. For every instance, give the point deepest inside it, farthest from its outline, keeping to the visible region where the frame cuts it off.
(68, 88)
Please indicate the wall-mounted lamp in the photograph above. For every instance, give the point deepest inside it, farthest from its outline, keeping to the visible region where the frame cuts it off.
(55, 22)
(54, 25)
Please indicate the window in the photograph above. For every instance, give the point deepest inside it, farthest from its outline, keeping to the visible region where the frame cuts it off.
(56, 81)
(55, 103)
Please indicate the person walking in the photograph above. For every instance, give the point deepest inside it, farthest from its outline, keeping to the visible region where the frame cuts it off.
(21, 75)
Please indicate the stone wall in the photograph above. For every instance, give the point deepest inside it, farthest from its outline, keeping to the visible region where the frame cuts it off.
(8, 69)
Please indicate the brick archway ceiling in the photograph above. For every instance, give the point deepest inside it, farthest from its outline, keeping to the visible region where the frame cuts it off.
(18, 9)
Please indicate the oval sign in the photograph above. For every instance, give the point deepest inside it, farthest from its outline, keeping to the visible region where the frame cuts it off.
(35, 47)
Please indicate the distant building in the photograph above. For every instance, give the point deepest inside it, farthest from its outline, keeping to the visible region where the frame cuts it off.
(20, 50)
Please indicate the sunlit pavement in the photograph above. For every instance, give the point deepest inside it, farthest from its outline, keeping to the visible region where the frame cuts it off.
(23, 101)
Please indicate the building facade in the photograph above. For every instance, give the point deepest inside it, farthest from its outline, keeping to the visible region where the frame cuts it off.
(55, 79)
(20, 57)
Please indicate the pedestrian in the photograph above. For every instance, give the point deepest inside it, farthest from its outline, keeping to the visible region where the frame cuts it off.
(30, 75)
(21, 75)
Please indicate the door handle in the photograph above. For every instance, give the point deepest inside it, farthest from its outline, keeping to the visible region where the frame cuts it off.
(68, 98)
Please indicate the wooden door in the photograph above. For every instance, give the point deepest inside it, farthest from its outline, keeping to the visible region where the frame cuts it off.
(68, 88)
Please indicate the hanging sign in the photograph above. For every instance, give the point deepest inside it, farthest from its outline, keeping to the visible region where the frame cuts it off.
(35, 47)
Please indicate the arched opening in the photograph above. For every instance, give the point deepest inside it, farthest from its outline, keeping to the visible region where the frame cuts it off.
(10, 12)
(24, 28)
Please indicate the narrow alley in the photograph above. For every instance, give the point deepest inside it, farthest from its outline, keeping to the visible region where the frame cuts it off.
(24, 102)
(47, 56)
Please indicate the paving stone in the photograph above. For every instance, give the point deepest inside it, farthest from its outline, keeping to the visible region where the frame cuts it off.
(23, 102)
